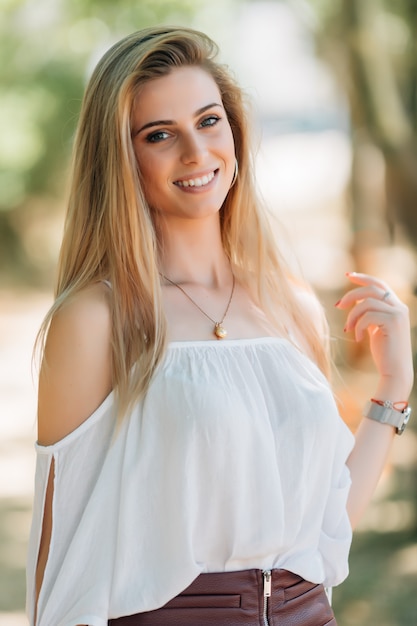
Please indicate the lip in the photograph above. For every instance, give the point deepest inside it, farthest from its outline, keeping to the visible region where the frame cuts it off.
(212, 173)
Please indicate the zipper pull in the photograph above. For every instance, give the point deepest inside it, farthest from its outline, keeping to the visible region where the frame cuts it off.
(267, 583)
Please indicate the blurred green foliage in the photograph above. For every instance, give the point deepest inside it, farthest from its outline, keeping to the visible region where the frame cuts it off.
(45, 48)
(372, 46)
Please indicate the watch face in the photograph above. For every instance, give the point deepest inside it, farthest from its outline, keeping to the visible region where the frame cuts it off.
(406, 413)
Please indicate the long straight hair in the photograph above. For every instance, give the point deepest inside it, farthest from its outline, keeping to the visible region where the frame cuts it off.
(109, 230)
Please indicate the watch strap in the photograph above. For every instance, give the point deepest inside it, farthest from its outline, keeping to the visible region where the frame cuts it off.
(385, 414)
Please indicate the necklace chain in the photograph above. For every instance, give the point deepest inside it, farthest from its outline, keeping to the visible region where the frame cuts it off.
(219, 331)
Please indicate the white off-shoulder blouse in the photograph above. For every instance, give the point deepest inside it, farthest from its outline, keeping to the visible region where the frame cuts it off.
(235, 459)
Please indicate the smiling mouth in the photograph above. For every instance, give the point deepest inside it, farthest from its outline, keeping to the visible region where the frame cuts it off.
(197, 182)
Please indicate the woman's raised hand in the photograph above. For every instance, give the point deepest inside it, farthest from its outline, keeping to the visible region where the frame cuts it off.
(375, 308)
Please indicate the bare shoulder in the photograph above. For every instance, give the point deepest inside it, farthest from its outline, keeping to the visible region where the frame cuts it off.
(75, 374)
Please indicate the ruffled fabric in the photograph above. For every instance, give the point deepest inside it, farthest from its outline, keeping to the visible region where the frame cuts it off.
(236, 458)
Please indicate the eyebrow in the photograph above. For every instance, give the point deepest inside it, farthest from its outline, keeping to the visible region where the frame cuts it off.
(171, 122)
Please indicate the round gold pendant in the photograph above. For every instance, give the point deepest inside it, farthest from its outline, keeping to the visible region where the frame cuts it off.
(220, 332)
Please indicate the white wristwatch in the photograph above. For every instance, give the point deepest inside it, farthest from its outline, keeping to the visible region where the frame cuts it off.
(386, 414)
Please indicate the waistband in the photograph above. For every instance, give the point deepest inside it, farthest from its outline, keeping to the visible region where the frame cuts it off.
(247, 597)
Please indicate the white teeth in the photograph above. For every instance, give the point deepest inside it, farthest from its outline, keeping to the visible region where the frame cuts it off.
(196, 182)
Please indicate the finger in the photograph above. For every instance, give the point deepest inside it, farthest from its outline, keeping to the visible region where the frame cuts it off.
(359, 293)
(371, 323)
(366, 307)
(369, 291)
(366, 279)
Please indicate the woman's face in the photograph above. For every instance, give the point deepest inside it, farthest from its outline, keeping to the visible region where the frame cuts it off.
(183, 144)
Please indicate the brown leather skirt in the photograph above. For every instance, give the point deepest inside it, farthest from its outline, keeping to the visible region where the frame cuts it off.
(248, 597)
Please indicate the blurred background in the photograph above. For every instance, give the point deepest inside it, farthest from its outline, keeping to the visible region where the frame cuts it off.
(334, 90)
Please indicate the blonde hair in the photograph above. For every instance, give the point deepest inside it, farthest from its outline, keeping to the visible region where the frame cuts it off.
(109, 232)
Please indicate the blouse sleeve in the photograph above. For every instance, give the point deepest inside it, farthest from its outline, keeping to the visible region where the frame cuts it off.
(43, 466)
(76, 461)
(336, 534)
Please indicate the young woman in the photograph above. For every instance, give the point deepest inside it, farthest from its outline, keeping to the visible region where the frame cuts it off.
(192, 466)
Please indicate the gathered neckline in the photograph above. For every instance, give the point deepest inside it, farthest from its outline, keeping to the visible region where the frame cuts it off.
(197, 343)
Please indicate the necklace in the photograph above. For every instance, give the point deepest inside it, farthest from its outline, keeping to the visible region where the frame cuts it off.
(219, 330)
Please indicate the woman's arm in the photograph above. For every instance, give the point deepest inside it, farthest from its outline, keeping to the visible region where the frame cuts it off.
(375, 309)
(74, 380)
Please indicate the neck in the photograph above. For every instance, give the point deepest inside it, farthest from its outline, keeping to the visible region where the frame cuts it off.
(193, 253)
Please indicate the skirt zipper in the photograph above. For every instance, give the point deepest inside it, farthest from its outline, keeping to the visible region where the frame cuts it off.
(267, 593)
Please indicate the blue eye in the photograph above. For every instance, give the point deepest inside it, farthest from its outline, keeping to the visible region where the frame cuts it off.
(211, 120)
(159, 135)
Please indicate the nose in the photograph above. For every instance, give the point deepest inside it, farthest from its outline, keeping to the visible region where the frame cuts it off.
(193, 148)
